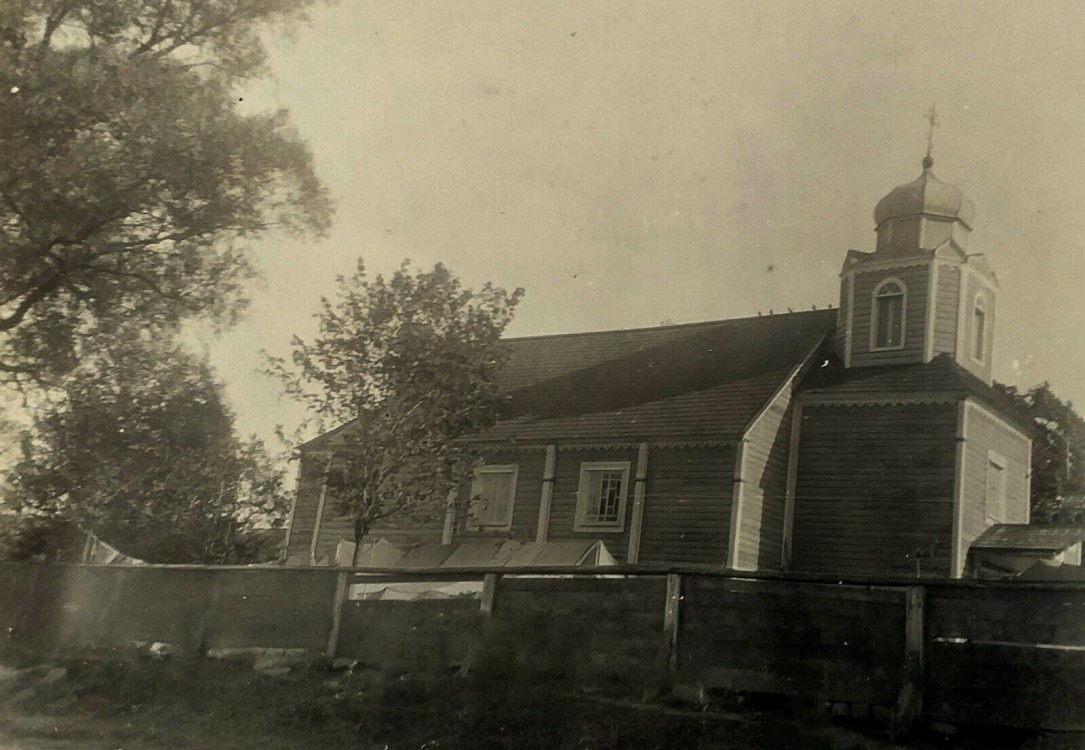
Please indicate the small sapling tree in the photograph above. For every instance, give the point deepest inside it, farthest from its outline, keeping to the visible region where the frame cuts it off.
(406, 365)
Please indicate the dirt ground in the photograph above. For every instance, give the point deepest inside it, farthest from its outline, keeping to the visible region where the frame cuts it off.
(132, 703)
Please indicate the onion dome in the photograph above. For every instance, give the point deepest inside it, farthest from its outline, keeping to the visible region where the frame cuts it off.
(925, 196)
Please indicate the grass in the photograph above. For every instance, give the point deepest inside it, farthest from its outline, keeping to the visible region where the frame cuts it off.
(116, 700)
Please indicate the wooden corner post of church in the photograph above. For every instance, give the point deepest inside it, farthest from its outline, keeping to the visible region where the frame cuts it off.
(671, 612)
(910, 703)
(318, 520)
(737, 481)
(958, 550)
(792, 480)
(450, 518)
(338, 600)
(639, 484)
(547, 497)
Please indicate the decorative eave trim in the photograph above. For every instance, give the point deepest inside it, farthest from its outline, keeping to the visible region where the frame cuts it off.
(507, 446)
(621, 444)
(888, 265)
(602, 446)
(885, 400)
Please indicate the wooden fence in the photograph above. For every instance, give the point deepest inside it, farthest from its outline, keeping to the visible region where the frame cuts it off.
(955, 651)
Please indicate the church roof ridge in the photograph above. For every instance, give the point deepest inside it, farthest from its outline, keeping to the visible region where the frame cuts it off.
(669, 326)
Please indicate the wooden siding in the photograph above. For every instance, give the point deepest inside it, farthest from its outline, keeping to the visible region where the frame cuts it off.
(945, 321)
(567, 486)
(985, 431)
(764, 486)
(916, 278)
(874, 485)
(687, 505)
(525, 507)
(409, 528)
(841, 331)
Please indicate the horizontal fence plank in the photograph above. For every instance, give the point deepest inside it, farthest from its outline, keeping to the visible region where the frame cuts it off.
(933, 583)
(990, 646)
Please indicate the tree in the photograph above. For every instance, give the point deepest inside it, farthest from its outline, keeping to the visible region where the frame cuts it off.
(142, 453)
(1058, 453)
(408, 365)
(130, 180)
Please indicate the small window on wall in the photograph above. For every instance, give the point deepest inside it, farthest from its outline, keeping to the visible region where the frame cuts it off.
(492, 495)
(887, 327)
(996, 488)
(979, 328)
(601, 498)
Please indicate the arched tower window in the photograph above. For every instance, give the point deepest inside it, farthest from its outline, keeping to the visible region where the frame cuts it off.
(889, 303)
(979, 328)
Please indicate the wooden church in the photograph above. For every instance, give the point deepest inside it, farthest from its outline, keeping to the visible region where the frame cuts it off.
(861, 440)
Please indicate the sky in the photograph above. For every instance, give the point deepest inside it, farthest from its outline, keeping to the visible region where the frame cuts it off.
(630, 163)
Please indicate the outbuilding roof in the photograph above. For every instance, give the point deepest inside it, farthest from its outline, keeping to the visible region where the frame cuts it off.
(1023, 537)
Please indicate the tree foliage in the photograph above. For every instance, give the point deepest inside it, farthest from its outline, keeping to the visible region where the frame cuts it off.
(130, 180)
(1058, 454)
(142, 453)
(406, 365)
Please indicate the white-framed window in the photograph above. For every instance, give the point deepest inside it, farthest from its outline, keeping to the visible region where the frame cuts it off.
(601, 498)
(889, 303)
(995, 496)
(493, 493)
(979, 328)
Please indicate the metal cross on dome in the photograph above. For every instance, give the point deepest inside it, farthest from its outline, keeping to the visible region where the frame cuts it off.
(932, 119)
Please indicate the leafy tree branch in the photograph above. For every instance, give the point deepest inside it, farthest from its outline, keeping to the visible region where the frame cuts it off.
(406, 365)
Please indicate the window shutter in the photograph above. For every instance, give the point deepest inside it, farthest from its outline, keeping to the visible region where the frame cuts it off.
(500, 499)
(491, 498)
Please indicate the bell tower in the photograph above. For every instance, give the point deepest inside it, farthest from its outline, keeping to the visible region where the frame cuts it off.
(920, 293)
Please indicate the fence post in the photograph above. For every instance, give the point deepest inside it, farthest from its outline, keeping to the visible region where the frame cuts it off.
(910, 703)
(489, 595)
(341, 580)
(670, 617)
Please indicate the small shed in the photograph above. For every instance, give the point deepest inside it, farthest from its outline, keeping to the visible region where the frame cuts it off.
(1008, 550)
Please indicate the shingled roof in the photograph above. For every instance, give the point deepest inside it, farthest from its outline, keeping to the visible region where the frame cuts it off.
(1022, 537)
(939, 380)
(697, 382)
